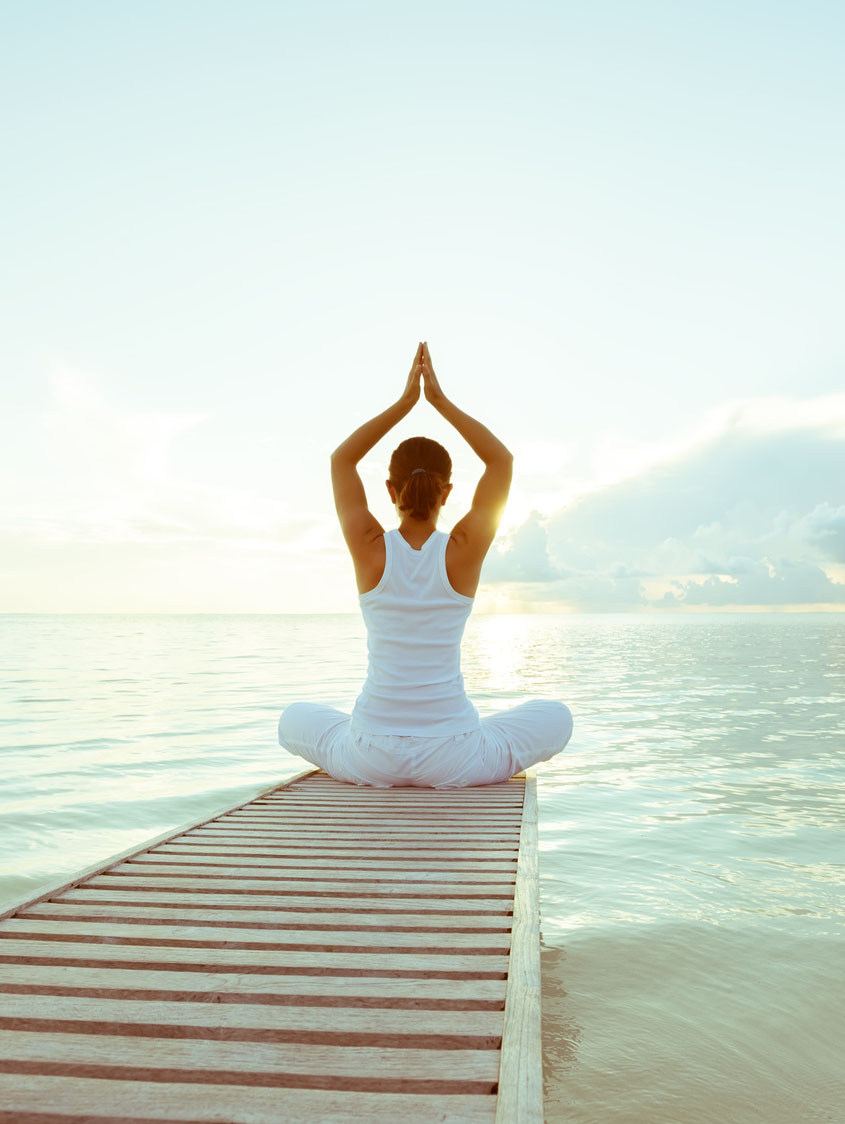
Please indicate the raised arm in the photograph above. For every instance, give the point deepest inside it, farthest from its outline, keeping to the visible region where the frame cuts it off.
(477, 529)
(359, 525)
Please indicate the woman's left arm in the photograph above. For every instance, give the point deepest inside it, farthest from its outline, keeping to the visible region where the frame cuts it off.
(357, 522)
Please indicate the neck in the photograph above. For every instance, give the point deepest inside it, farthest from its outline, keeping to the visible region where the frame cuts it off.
(416, 531)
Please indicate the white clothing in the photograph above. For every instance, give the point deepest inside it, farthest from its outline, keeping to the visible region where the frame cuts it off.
(415, 622)
(503, 744)
(412, 723)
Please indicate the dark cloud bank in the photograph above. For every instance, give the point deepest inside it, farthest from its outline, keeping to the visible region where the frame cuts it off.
(748, 519)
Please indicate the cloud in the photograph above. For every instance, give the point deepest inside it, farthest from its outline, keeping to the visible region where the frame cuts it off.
(125, 509)
(525, 558)
(105, 440)
(748, 513)
(824, 527)
(787, 583)
(113, 475)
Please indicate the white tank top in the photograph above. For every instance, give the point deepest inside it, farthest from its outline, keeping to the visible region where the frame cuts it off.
(415, 621)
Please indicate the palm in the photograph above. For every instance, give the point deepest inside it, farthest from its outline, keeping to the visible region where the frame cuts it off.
(433, 392)
(412, 386)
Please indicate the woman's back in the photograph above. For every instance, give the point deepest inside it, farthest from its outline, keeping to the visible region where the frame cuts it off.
(415, 622)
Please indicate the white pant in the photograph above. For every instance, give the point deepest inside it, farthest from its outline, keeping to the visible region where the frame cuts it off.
(506, 743)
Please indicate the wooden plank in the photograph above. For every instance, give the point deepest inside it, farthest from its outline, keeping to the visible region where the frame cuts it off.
(476, 805)
(446, 965)
(59, 931)
(270, 839)
(254, 1021)
(100, 1101)
(421, 821)
(321, 790)
(438, 850)
(393, 798)
(388, 805)
(270, 918)
(521, 1069)
(375, 823)
(365, 991)
(466, 836)
(194, 883)
(424, 813)
(390, 801)
(423, 817)
(371, 845)
(360, 1068)
(420, 825)
(331, 867)
(348, 861)
(375, 844)
(155, 864)
(357, 794)
(323, 784)
(322, 787)
(351, 851)
(329, 903)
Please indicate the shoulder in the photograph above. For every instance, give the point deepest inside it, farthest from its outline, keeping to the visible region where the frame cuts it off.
(464, 556)
(473, 535)
(370, 560)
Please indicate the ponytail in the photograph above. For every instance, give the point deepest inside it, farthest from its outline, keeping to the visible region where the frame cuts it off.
(420, 493)
(419, 471)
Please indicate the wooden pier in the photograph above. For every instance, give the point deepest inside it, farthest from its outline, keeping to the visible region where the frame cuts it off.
(322, 953)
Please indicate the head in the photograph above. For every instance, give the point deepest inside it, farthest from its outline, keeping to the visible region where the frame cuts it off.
(419, 477)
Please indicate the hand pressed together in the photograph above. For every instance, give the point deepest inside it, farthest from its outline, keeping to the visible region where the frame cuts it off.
(433, 391)
(411, 393)
(422, 368)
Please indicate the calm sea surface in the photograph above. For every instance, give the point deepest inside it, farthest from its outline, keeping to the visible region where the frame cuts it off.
(691, 835)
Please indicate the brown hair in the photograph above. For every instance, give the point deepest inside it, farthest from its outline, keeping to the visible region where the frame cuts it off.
(419, 491)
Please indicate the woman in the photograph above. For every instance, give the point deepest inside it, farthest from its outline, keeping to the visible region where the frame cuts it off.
(413, 723)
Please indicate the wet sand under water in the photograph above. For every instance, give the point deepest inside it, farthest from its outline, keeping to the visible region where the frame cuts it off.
(693, 1025)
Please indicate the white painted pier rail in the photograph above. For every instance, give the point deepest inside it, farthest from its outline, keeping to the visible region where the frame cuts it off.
(322, 953)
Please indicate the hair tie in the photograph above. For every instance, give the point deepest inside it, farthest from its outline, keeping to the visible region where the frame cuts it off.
(416, 470)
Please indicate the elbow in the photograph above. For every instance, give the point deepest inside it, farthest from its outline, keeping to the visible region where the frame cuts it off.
(507, 465)
(502, 458)
(500, 466)
(341, 459)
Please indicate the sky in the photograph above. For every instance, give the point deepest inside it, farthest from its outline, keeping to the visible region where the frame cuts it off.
(226, 226)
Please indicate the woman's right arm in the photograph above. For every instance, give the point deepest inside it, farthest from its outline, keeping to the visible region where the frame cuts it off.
(477, 529)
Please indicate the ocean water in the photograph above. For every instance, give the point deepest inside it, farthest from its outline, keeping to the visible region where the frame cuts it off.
(691, 834)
